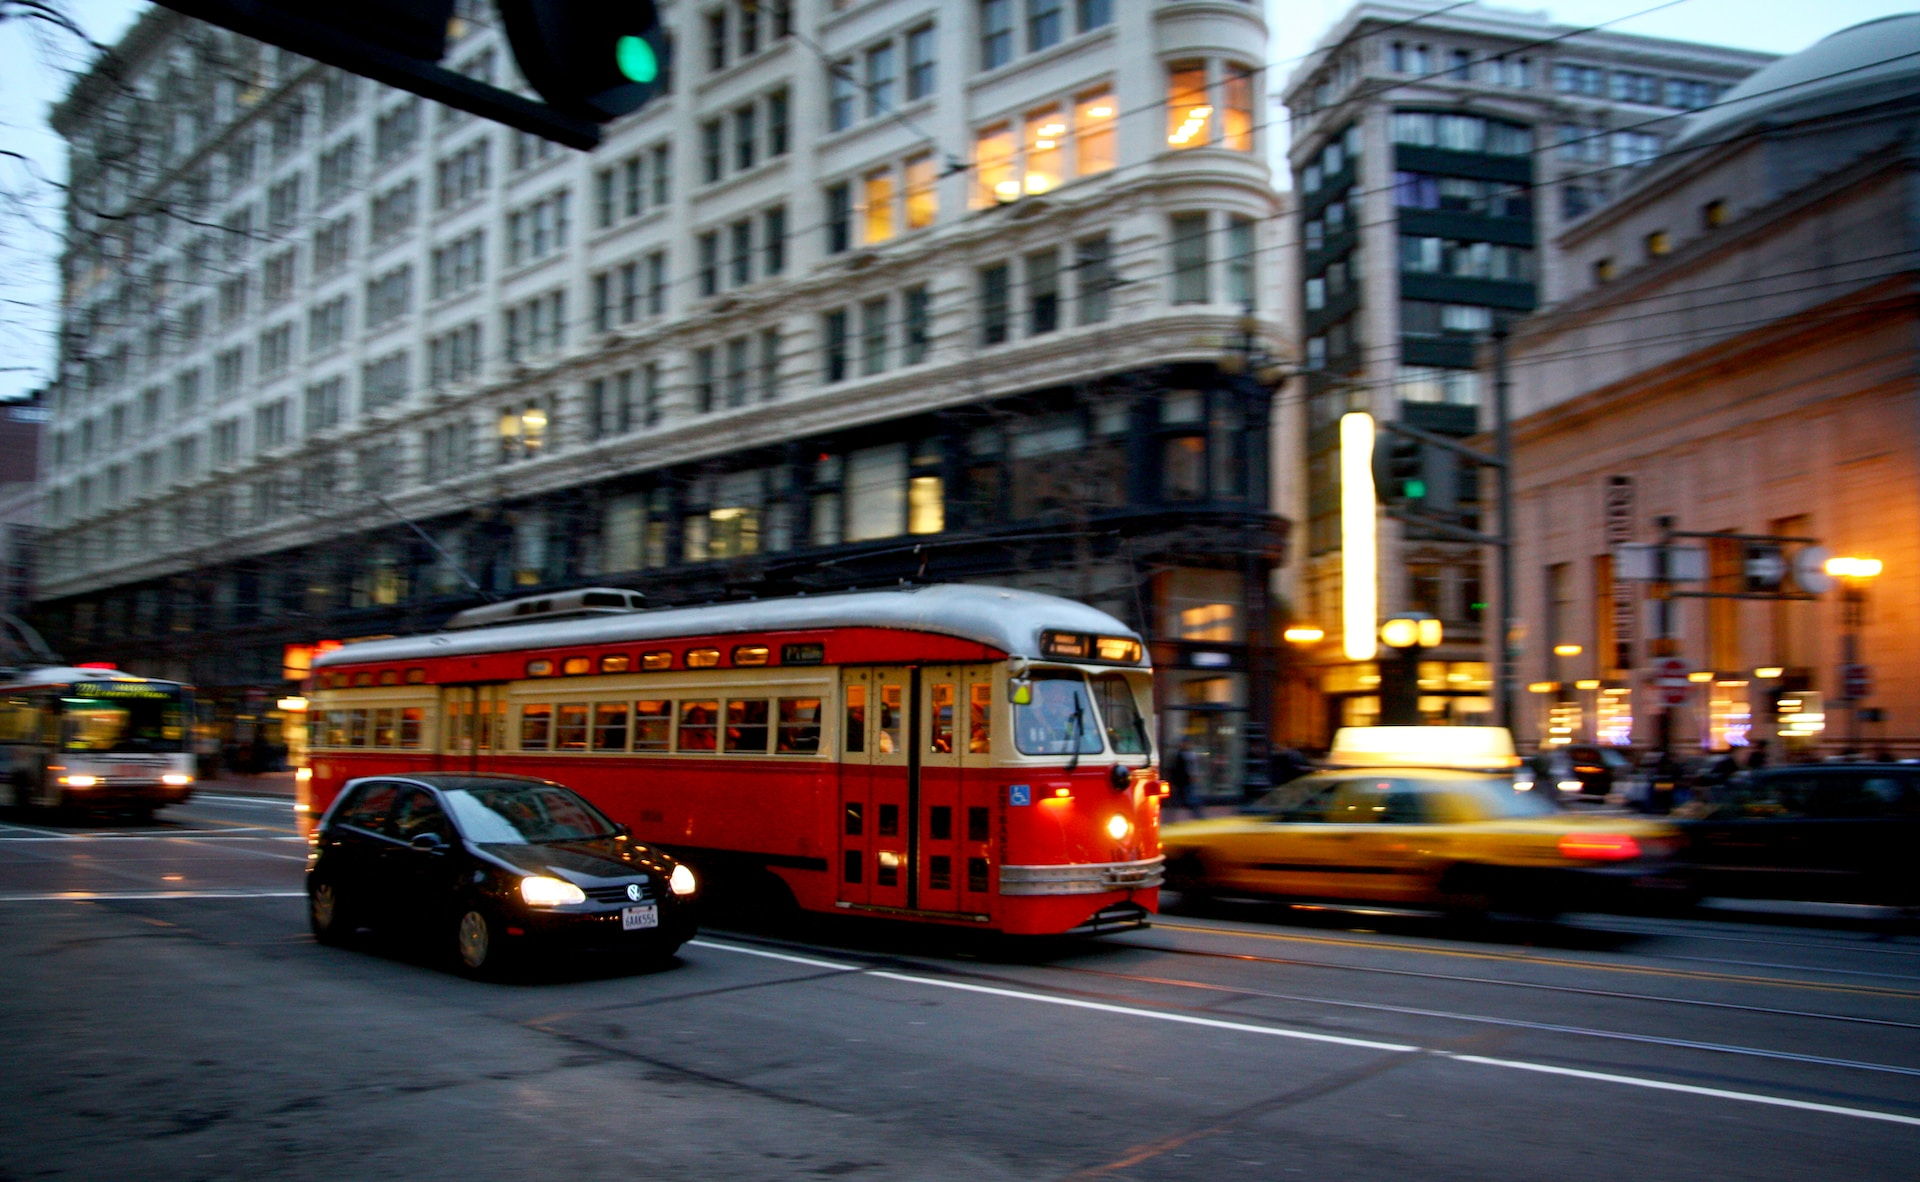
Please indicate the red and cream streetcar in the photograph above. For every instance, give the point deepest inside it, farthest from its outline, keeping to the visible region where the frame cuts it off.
(958, 754)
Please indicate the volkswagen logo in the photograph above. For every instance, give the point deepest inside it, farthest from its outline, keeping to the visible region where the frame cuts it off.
(633, 891)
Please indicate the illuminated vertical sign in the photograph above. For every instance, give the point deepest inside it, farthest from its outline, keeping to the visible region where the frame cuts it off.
(1625, 594)
(1359, 540)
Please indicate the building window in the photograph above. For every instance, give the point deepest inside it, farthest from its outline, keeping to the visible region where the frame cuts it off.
(1634, 148)
(1093, 124)
(1093, 14)
(739, 350)
(717, 40)
(1093, 268)
(994, 163)
(996, 33)
(833, 331)
(1190, 258)
(657, 283)
(712, 156)
(1043, 292)
(777, 123)
(841, 91)
(873, 336)
(740, 253)
(1658, 243)
(1585, 80)
(769, 364)
(921, 65)
(1045, 24)
(923, 198)
(917, 325)
(1713, 214)
(746, 137)
(662, 161)
(704, 365)
(709, 267)
(877, 205)
(1603, 270)
(880, 80)
(996, 310)
(538, 230)
(1461, 133)
(773, 240)
(839, 223)
(1242, 286)
(1189, 115)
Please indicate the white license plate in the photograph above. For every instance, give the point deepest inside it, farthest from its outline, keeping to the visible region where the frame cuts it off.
(647, 915)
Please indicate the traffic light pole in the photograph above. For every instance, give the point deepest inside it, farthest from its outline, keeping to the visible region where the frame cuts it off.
(1503, 468)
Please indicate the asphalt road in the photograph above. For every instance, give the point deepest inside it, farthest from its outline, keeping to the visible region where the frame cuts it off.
(164, 1014)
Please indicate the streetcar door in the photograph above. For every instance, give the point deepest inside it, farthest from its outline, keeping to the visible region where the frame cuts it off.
(474, 721)
(957, 831)
(876, 785)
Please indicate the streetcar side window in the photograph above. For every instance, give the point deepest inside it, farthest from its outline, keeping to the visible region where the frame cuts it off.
(411, 720)
(536, 727)
(1126, 729)
(356, 728)
(1060, 718)
(652, 725)
(570, 727)
(799, 732)
(699, 724)
(856, 733)
(610, 726)
(941, 735)
(334, 732)
(980, 718)
(383, 729)
(891, 716)
(747, 726)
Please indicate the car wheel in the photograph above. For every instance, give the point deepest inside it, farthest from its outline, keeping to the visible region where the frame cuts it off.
(479, 943)
(327, 914)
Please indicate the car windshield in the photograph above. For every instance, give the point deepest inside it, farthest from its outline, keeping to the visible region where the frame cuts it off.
(524, 814)
(1317, 797)
(1060, 719)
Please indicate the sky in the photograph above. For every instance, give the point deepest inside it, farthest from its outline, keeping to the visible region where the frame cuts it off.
(36, 63)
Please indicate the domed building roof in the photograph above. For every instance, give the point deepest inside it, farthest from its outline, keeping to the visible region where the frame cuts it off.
(1861, 66)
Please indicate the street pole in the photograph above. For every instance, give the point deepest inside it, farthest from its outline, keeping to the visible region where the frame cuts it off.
(1503, 451)
(1850, 596)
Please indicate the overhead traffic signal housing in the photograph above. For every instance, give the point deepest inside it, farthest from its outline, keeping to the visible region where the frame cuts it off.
(1415, 474)
(591, 59)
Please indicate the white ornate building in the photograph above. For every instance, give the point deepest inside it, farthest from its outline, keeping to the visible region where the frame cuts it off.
(881, 289)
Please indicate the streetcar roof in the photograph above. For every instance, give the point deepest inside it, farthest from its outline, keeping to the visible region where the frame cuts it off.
(1003, 618)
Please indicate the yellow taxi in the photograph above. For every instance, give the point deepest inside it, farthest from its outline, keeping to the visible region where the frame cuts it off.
(1426, 817)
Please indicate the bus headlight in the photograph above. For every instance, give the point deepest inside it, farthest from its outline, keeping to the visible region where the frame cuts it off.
(80, 780)
(1118, 827)
(540, 891)
(176, 779)
(681, 881)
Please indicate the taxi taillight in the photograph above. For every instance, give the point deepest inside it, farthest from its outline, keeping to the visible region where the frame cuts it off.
(1600, 847)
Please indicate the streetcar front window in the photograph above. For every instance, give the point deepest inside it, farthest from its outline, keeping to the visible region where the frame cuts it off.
(1126, 727)
(123, 724)
(1059, 720)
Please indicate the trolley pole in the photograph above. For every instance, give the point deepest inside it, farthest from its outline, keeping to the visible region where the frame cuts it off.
(1503, 452)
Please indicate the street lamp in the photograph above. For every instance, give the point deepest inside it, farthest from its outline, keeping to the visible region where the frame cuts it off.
(1854, 575)
(1410, 635)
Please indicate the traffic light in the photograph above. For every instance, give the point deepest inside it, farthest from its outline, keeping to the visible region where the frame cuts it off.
(1414, 474)
(591, 59)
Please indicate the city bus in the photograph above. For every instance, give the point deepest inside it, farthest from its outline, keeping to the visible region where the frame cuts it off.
(963, 755)
(89, 738)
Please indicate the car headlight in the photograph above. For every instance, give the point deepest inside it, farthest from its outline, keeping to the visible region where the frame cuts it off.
(540, 891)
(681, 881)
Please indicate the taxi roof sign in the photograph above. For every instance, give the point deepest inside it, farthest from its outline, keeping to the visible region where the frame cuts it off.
(1466, 747)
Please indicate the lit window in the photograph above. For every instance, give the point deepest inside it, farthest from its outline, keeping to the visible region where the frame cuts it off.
(993, 161)
(877, 193)
(1189, 116)
(1046, 128)
(1237, 120)
(1093, 118)
(923, 200)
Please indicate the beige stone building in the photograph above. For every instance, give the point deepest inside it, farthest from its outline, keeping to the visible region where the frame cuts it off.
(1736, 354)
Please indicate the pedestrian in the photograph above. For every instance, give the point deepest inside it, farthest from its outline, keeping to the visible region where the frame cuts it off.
(1757, 755)
(1179, 775)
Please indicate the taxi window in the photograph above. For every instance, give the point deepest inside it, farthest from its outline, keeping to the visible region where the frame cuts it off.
(1368, 800)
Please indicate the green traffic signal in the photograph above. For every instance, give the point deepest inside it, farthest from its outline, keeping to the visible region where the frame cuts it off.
(1416, 490)
(636, 59)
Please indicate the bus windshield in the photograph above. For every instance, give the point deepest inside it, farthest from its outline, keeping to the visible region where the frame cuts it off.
(124, 717)
(1060, 718)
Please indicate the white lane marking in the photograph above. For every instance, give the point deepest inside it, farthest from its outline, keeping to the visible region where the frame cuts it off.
(1183, 1019)
(1365, 1044)
(98, 896)
(236, 833)
(818, 964)
(1661, 1085)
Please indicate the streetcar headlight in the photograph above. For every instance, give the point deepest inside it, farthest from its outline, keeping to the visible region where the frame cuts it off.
(681, 881)
(540, 891)
(80, 780)
(1119, 827)
(176, 779)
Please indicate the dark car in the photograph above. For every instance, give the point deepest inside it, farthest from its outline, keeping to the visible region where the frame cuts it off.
(489, 867)
(1843, 833)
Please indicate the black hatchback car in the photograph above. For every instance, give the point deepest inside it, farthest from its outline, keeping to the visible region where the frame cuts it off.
(488, 867)
(1842, 833)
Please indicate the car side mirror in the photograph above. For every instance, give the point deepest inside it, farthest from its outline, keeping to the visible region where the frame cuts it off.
(433, 843)
(622, 829)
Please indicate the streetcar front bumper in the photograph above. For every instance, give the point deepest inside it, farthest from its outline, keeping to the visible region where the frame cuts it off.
(1083, 878)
